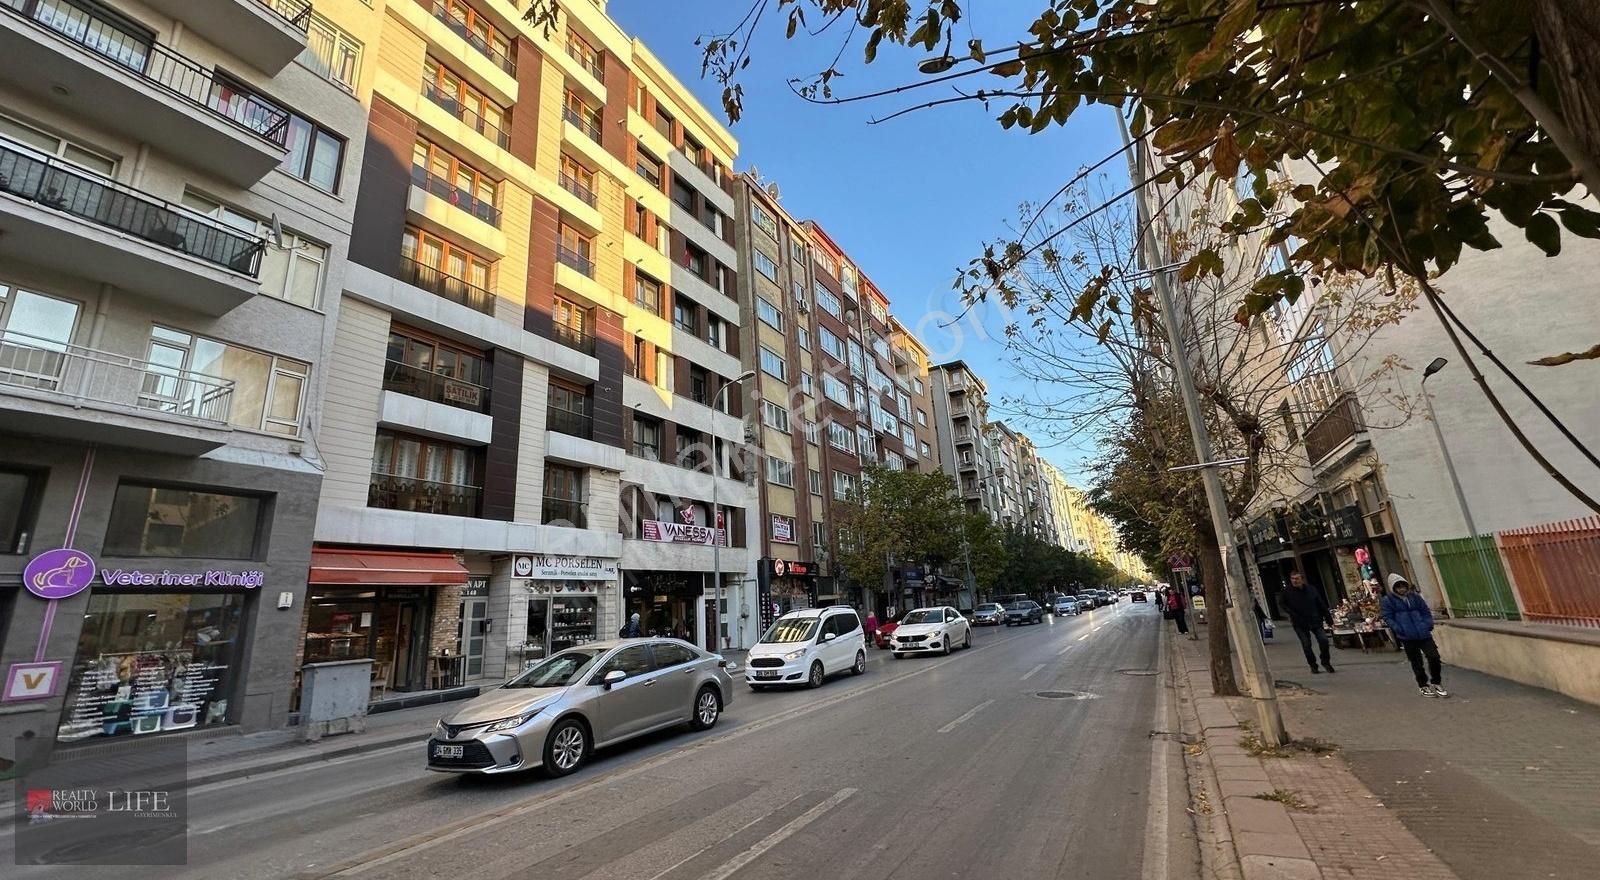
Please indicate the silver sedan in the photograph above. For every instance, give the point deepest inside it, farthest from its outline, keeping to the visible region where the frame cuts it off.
(554, 715)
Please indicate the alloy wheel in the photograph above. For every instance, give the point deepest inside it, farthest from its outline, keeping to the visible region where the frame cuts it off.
(567, 747)
(861, 663)
(706, 709)
(816, 675)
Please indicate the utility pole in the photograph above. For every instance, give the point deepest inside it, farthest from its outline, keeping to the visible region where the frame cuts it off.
(1244, 633)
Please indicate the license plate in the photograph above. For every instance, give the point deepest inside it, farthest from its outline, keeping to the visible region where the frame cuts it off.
(766, 675)
(449, 751)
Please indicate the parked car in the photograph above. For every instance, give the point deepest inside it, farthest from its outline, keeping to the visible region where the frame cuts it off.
(880, 639)
(989, 614)
(1026, 611)
(1080, 604)
(1066, 605)
(926, 630)
(807, 646)
(555, 714)
(1138, 596)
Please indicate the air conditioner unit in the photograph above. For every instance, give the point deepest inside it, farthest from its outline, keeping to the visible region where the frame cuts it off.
(803, 307)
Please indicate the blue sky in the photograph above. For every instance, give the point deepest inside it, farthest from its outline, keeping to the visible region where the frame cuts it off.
(912, 199)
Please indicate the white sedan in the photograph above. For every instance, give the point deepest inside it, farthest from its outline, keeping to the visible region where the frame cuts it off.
(929, 630)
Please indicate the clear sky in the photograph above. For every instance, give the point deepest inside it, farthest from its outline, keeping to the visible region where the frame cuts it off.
(913, 199)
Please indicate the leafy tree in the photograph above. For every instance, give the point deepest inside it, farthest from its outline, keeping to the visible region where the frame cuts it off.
(985, 549)
(900, 515)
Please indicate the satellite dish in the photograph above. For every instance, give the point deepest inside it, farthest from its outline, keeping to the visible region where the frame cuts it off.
(774, 192)
(277, 232)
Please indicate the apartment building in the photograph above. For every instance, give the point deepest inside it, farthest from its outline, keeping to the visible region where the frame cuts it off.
(914, 393)
(176, 182)
(961, 414)
(539, 315)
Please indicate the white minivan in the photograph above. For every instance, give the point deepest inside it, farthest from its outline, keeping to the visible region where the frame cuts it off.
(807, 646)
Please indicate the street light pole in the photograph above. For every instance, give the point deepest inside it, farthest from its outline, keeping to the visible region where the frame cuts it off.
(716, 509)
(1435, 366)
(1254, 654)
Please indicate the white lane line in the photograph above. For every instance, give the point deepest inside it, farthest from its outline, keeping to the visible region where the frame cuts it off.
(1084, 637)
(710, 846)
(733, 865)
(1029, 674)
(1063, 650)
(1098, 628)
(967, 717)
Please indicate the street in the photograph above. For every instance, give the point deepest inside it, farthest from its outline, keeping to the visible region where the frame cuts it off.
(947, 767)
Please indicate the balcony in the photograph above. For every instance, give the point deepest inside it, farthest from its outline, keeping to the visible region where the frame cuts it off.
(573, 260)
(65, 218)
(83, 58)
(266, 34)
(439, 10)
(591, 65)
(572, 338)
(467, 116)
(589, 127)
(564, 512)
(1338, 426)
(413, 381)
(482, 209)
(392, 492)
(565, 421)
(572, 185)
(54, 389)
(448, 286)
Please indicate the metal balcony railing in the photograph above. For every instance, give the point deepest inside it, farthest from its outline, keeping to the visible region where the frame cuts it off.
(295, 12)
(576, 187)
(441, 11)
(587, 61)
(467, 115)
(571, 258)
(480, 208)
(414, 381)
(574, 338)
(565, 421)
(583, 123)
(55, 184)
(564, 512)
(393, 492)
(92, 31)
(1338, 423)
(446, 285)
(85, 375)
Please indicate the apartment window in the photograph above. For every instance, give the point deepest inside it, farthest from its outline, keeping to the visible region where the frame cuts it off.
(151, 520)
(772, 364)
(858, 359)
(569, 410)
(315, 155)
(835, 390)
(685, 315)
(331, 53)
(847, 279)
(19, 507)
(60, 148)
(424, 475)
(840, 437)
(922, 418)
(293, 272)
(861, 398)
(716, 333)
(578, 180)
(780, 472)
(864, 441)
(649, 167)
(446, 258)
(563, 496)
(830, 343)
(439, 172)
(926, 450)
(447, 89)
(904, 400)
(571, 316)
(909, 438)
(647, 293)
(802, 337)
(699, 384)
(827, 301)
(691, 449)
(576, 251)
(664, 370)
(783, 531)
(881, 314)
(811, 433)
(763, 220)
(814, 481)
(769, 314)
(918, 386)
(696, 261)
(798, 289)
(797, 251)
(683, 195)
(646, 438)
(268, 391)
(419, 365)
(585, 54)
(664, 123)
(844, 485)
(819, 537)
(774, 415)
(806, 385)
(764, 265)
(828, 263)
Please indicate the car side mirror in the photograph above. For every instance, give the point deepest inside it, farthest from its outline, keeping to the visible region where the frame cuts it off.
(612, 678)
(828, 637)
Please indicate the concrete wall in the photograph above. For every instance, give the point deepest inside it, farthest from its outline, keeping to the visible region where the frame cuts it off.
(1557, 658)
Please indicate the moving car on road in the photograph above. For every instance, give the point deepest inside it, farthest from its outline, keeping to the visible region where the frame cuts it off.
(807, 646)
(927, 630)
(1138, 596)
(1024, 611)
(989, 614)
(557, 713)
(1066, 605)
(882, 637)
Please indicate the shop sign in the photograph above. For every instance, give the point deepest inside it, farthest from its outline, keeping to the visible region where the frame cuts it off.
(31, 681)
(680, 533)
(783, 529)
(476, 587)
(543, 567)
(252, 579)
(58, 574)
(785, 568)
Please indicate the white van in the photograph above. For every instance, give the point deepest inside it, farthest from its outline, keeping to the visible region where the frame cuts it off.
(807, 646)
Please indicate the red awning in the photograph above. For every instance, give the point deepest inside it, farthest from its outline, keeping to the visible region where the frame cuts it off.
(385, 568)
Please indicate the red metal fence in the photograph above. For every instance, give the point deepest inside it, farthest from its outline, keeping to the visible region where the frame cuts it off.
(1556, 570)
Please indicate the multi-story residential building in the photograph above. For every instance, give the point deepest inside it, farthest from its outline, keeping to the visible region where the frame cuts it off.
(531, 414)
(1037, 518)
(914, 393)
(961, 412)
(176, 183)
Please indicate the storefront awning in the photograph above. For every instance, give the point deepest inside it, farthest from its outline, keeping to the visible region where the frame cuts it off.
(390, 568)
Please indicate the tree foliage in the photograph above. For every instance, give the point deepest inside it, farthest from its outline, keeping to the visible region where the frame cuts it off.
(899, 515)
(1036, 566)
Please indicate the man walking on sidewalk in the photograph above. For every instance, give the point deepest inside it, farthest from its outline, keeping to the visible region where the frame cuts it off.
(1308, 611)
(1411, 621)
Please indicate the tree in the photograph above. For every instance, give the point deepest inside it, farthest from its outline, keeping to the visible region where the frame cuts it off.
(985, 549)
(898, 515)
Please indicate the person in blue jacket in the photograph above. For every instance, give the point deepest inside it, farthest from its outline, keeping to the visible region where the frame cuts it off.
(1411, 621)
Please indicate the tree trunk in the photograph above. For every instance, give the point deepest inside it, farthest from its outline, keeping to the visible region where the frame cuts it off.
(1217, 638)
(1569, 43)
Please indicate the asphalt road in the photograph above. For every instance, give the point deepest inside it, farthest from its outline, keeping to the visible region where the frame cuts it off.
(922, 768)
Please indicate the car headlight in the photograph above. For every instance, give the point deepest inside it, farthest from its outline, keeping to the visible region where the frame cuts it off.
(438, 726)
(511, 723)
(794, 655)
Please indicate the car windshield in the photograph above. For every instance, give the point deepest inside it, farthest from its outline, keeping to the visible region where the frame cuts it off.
(791, 629)
(1017, 606)
(989, 608)
(925, 615)
(558, 671)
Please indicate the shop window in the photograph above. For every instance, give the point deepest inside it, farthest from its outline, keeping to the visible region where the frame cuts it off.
(19, 506)
(156, 521)
(152, 662)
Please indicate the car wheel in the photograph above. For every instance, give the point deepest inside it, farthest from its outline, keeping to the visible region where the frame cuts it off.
(967, 642)
(707, 709)
(945, 651)
(861, 663)
(566, 748)
(815, 678)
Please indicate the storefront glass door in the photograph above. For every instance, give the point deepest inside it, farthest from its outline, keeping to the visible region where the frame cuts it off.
(473, 614)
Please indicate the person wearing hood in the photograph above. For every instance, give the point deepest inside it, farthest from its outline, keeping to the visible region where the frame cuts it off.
(1308, 610)
(1411, 621)
(632, 629)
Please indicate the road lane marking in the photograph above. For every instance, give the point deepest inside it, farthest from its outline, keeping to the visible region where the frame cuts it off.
(735, 833)
(967, 717)
(1063, 650)
(1098, 628)
(1084, 637)
(1029, 673)
(794, 826)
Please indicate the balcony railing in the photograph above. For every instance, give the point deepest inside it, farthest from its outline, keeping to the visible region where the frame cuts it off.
(564, 512)
(480, 208)
(295, 12)
(55, 184)
(442, 12)
(587, 61)
(469, 117)
(446, 285)
(588, 126)
(574, 338)
(572, 259)
(414, 381)
(392, 492)
(565, 421)
(155, 64)
(576, 187)
(1338, 423)
(86, 375)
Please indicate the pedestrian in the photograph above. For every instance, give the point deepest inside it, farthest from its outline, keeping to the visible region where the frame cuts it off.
(871, 626)
(632, 629)
(1411, 621)
(1177, 610)
(1308, 610)
(1161, 602)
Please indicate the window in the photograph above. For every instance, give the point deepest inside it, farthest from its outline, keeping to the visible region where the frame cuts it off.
(819, 536)
(780, 472)
(696, 261)
(880, 313)
(844, 485)
(922, 418)
(155, 521)
(418, 365)
(830, 343)
(864, 441)
(646, 438)
(811, 433)
(568, 411)
(797, 251)
(763, 220)
(774, 415)
(802, 337)
(841, 437)
(783, 533)
(772, 364)
(847, 279)
(835, 390)
(331, 53)
(814, 481)
(918, 386)
(576, 251)
(683, 195)
(315, 153)
(764, 265)
(798, 288)
(664, 369)
(664, 123)
(893, 461)
(424, 475)
(904, 402)
(828, 263)
(563, 497)
(450, 91)
(442, 174)
(268, 391)
(647, 293)
(858, 358)
(293, 272)
(699, 384)
(691, 448)
(685, 315)
(19, 500)
(926, 450)
(716, 333)
(827, 301)
(861, 398)
(581, 51)
(60, 148)
(570, 315)
(769, 314)
(805, 383)
(441, 260)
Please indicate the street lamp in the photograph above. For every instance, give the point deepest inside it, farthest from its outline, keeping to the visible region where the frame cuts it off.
(716, 510)
(1435, 366)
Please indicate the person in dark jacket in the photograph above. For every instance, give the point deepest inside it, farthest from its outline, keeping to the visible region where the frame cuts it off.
(631, 629)
(1308, 611)
(1411, 621)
